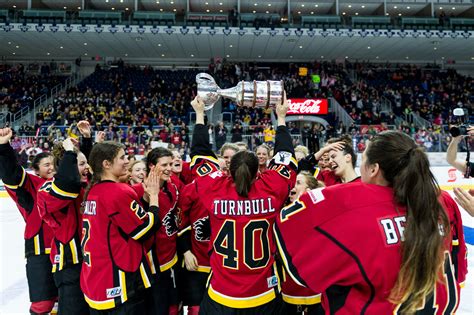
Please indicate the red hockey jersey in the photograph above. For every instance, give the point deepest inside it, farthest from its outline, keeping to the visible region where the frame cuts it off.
(59, 204)
(22, 187)
(360, 261)
(114, 226)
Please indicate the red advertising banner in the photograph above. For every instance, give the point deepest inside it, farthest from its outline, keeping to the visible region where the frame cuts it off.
(307, 106)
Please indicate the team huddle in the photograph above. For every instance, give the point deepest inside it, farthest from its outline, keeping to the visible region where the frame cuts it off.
(295, 232)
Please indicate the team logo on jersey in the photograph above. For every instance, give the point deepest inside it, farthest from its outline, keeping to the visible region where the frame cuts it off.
(282, 157)
(202, 229)
(272, 281)
(113, 292)
(169, 222)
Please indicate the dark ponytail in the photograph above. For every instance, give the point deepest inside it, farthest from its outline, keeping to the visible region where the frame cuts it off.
(104, 151)
(406, 167)
(243, 169)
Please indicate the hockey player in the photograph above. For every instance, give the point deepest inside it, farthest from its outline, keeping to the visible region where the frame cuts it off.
(389, 245)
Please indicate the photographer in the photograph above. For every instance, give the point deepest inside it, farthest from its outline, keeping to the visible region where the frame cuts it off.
(464, 198)
(462, 166)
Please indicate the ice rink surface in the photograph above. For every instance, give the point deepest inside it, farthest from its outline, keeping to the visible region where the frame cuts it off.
(14, 289)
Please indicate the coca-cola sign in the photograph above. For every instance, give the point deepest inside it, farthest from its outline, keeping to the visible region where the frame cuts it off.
(307, 106)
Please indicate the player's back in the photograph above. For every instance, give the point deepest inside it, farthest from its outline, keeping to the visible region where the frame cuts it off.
(242, 259)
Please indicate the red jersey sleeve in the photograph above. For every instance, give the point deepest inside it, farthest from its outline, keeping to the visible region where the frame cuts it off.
(127, 213)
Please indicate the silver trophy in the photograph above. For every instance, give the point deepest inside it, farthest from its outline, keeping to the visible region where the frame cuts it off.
(250, 94)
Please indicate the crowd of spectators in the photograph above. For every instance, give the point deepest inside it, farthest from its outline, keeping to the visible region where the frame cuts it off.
(141, 106)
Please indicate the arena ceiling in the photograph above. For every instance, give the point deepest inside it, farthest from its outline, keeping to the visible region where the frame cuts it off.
(190, 47)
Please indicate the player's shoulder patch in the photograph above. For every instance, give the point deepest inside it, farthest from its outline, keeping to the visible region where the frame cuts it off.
(282, 157)
(316, 195)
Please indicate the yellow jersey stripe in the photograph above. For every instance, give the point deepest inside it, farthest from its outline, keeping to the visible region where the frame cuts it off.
(203, 269)
(203, 157)
(61, 256)
(152, 263)
(188, 228)
(74, 253)
(151, 221)
(22, 181)
(455, 242)
(63, 193)
(246, 302)
(169, 264)
(100, 305)
(302, 300)
(123, 286)
(37, 244)
(145, 279)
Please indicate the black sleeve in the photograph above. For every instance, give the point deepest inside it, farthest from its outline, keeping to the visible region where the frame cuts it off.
(86, 146)
(470, 169)
(67, 178)
(283, 141)
(11, 172)
(184, 242)
(200, 144)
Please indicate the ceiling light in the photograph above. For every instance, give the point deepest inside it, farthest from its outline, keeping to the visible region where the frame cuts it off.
(126, 55)
(207, 10)
(357, 13)
(442, 58)
(157, 2)
(255, 4)
(174, 10)
(259, 56)
(316, 5)
(9, 43)
(368, 47)
(395, 7)
(106, 1)
(161, 10)
(85, 54)
(312, 12)
(408, 8)
(269, 4)
(65, 8)
(387, 13)
(14, 53)
(220, 3)
(85, 44)
(17, 46)
(267, 12)
(343, 13)
(207, 3)
(291, 57)
(231, 46)
(472, 58)
(301, 47)
(78, 8)
(299, 12)
(61, 47)
(126, 9)
(399, 14)
(48, 54)
(322, 57)
(347, 57)
(453, 8)
(377, 57)
(228, 56)
(159, 45)
(162, 55)
(406, 57)
(302, 5)
(192, 55)
(254, 11)
(441, 8)
(14, 6)
(363, 7)
(435, 48)
(121, 1)
(220, 11)
(172, 2)
(113, 9)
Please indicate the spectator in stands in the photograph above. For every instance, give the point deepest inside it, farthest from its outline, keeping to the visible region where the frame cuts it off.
(221, 135)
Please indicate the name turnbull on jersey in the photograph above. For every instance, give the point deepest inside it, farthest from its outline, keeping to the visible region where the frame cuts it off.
(243, 207)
